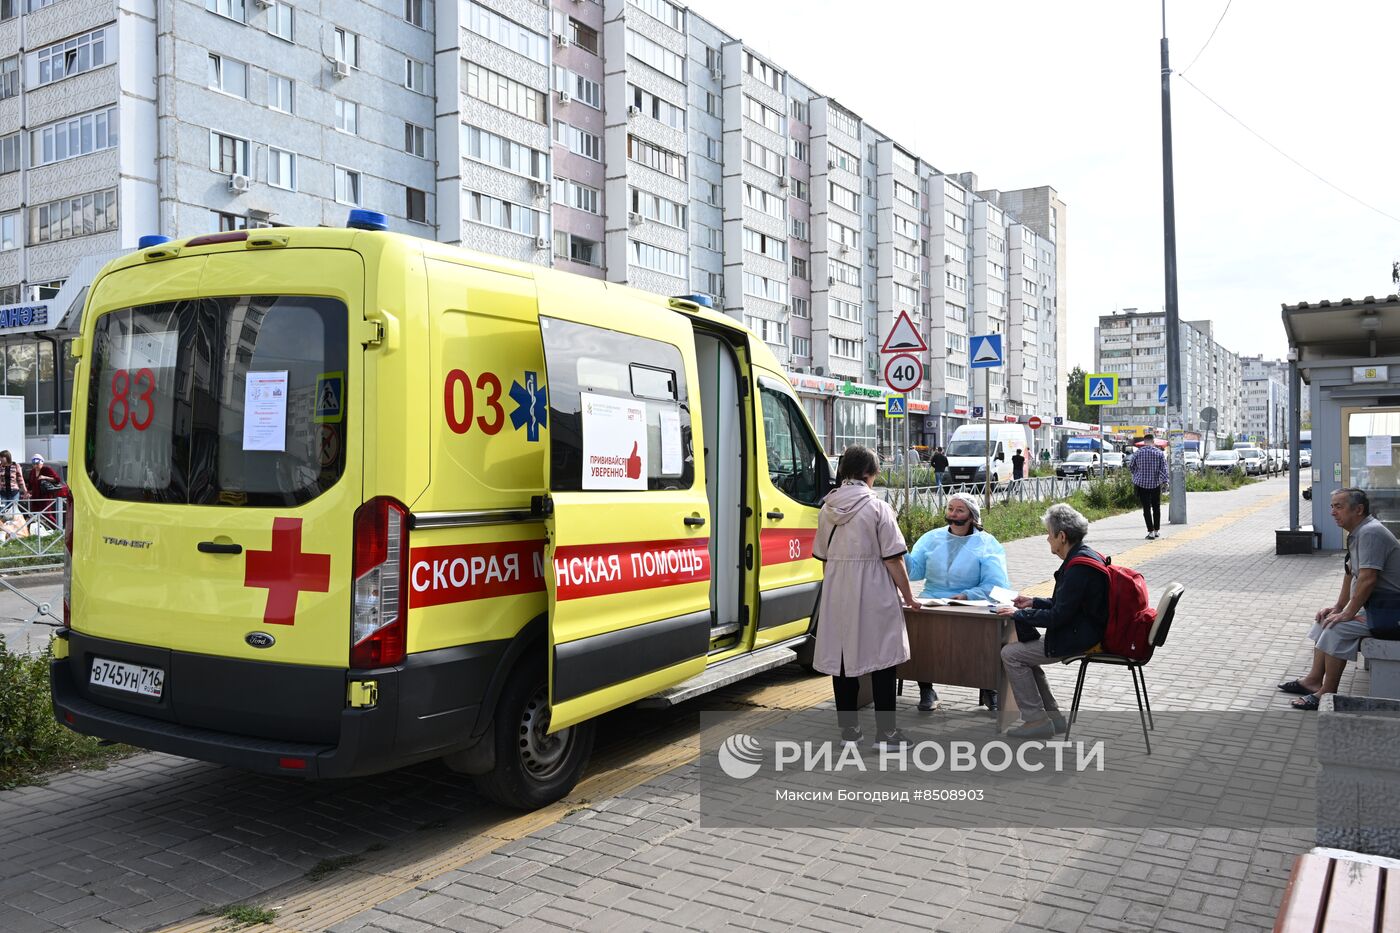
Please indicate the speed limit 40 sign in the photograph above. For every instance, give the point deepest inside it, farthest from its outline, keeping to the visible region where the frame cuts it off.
(903, 372)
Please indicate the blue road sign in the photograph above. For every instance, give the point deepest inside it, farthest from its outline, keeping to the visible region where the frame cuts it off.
(977, 411)
(1101, 389)
(894, 406)
(1161, 393)
(984, 351)
(1059, 420)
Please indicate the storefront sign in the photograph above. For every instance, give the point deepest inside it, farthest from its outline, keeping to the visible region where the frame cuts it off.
(917, 407)
(820, 384)
(24, 316)
(852, 388)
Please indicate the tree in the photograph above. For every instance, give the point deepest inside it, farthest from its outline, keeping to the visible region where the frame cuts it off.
(1229, 442)
(1074, 398)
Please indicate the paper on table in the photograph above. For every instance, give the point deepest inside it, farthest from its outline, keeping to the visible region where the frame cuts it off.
(939, 601)
(1002, 595)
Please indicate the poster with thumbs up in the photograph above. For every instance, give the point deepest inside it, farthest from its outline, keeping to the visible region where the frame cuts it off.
(614, 442)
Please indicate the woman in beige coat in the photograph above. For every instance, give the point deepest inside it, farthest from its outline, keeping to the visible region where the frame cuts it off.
(864, 592)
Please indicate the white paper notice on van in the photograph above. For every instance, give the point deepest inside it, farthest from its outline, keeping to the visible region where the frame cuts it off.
(614, 442)
(265, 411)
(670, 442)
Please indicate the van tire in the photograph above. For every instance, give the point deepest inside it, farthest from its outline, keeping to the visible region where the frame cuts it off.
(532, 769)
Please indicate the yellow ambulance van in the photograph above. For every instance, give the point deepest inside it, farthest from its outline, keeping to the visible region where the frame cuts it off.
(344, 500)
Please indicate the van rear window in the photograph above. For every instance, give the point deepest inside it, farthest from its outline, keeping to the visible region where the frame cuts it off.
(219, 401)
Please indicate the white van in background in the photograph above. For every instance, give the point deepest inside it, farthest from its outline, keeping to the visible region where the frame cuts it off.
(967, 451)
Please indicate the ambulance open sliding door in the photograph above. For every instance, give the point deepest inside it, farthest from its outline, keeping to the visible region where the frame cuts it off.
(628, 567)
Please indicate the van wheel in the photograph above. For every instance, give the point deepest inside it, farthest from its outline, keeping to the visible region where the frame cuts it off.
(533, 768)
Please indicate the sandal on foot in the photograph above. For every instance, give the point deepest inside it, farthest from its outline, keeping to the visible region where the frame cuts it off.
(1308, 703)
(1296, 687)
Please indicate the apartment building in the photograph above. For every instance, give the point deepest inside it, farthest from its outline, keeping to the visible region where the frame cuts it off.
(1265, 388)
(1133, 344)
(628, 140)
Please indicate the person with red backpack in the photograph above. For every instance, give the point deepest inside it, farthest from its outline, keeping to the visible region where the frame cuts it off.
(1075, 619)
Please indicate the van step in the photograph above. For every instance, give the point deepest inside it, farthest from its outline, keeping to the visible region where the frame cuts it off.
(720, 675)
(719, 631)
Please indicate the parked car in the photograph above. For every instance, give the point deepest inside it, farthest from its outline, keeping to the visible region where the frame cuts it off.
(1079, 463)
(1305, 458)
(1193, 461)
(1112, 462)
(1253, 459)
(1223, 460)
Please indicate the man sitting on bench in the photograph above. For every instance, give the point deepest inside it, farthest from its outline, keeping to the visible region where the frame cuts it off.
(1370, 584)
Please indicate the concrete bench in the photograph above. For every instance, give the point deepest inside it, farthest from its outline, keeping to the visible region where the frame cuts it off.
(1332, 891)
(1383, 661)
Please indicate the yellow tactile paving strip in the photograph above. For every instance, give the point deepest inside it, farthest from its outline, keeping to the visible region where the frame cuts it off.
(308, 906)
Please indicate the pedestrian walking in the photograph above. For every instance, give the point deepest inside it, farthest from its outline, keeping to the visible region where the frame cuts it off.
(1149, 469)
(865, 590)
(939, 460)
(1018, 465)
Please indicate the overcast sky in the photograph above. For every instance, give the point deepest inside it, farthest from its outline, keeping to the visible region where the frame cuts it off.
(1067, 94)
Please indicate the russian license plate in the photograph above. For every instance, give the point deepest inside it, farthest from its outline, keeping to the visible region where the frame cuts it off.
(131, 678)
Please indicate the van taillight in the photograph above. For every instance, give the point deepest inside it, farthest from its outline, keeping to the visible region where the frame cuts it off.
(67, 504)
(379, 613)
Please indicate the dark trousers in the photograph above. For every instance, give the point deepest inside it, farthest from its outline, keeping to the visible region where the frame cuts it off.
(1151, 500)
(847, 689)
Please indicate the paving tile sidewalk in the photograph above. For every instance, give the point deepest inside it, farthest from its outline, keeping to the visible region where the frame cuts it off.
(641, 861)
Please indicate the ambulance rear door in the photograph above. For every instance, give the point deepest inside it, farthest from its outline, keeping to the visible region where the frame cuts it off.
(627, 560)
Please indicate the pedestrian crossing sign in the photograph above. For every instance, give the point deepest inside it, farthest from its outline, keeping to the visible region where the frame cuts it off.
(894, 406)
(1101, 389)
(1161, 393)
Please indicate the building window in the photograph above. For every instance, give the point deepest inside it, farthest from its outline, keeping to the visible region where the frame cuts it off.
(844, 197)
(228, 155)
(578, 87)
(657, 56)
(801, 307)
(282, 169)
(9, 154)
(416, 205)
(585, 37)
(413, 12)
(658, 108)
(415, 140)
(482, 146)
(573, 248)
(955, 370)
(662, 11)
(415, 75)
(662, 210)
(347, 47)
(507, 32)
(799, 268)
(506, 215)
(801, 229)
(347, 186)
(279, 20)
(228, 76)
(762, 287)
(500, 91)
(770, 246)
(801, 346)
(279, 93)
(577, 141)
(9, 231)
(646, 256)
(233, 9)
(347, 116)
(844, 121)
(580, 197)
(653, 156)
(764, 116)
(63, 59)
(763, 71)
(82, 215)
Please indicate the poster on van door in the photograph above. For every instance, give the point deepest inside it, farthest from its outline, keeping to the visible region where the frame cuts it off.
(614, 442)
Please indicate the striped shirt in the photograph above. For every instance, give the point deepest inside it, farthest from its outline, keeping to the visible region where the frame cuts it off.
(1149, 468)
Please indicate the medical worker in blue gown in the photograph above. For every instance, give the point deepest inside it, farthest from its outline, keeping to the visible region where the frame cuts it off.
(958, 561)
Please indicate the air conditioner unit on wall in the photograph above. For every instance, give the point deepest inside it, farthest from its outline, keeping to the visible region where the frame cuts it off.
(263, 3)
(633, 218)
(561, 40)
(716, 73)
(782, 181)
(340, 68)
(565, 97)
(239, 183)
(541, 242)
(633, 110)
(541, 188)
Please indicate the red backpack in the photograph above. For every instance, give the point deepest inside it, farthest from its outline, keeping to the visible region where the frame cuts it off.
(1130, 615)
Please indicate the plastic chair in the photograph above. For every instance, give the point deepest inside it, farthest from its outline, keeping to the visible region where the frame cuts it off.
(1166, 609)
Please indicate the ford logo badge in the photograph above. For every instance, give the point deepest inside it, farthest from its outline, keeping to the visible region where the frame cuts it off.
(260, 640)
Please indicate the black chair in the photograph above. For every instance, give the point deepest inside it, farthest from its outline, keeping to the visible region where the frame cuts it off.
(1166, 609)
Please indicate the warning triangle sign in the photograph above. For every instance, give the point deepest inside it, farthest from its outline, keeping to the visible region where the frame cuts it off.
(1101, 390)
(986, 352)
(904, 336)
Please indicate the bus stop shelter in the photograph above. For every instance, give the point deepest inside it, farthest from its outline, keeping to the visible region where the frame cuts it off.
(1348, 353)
